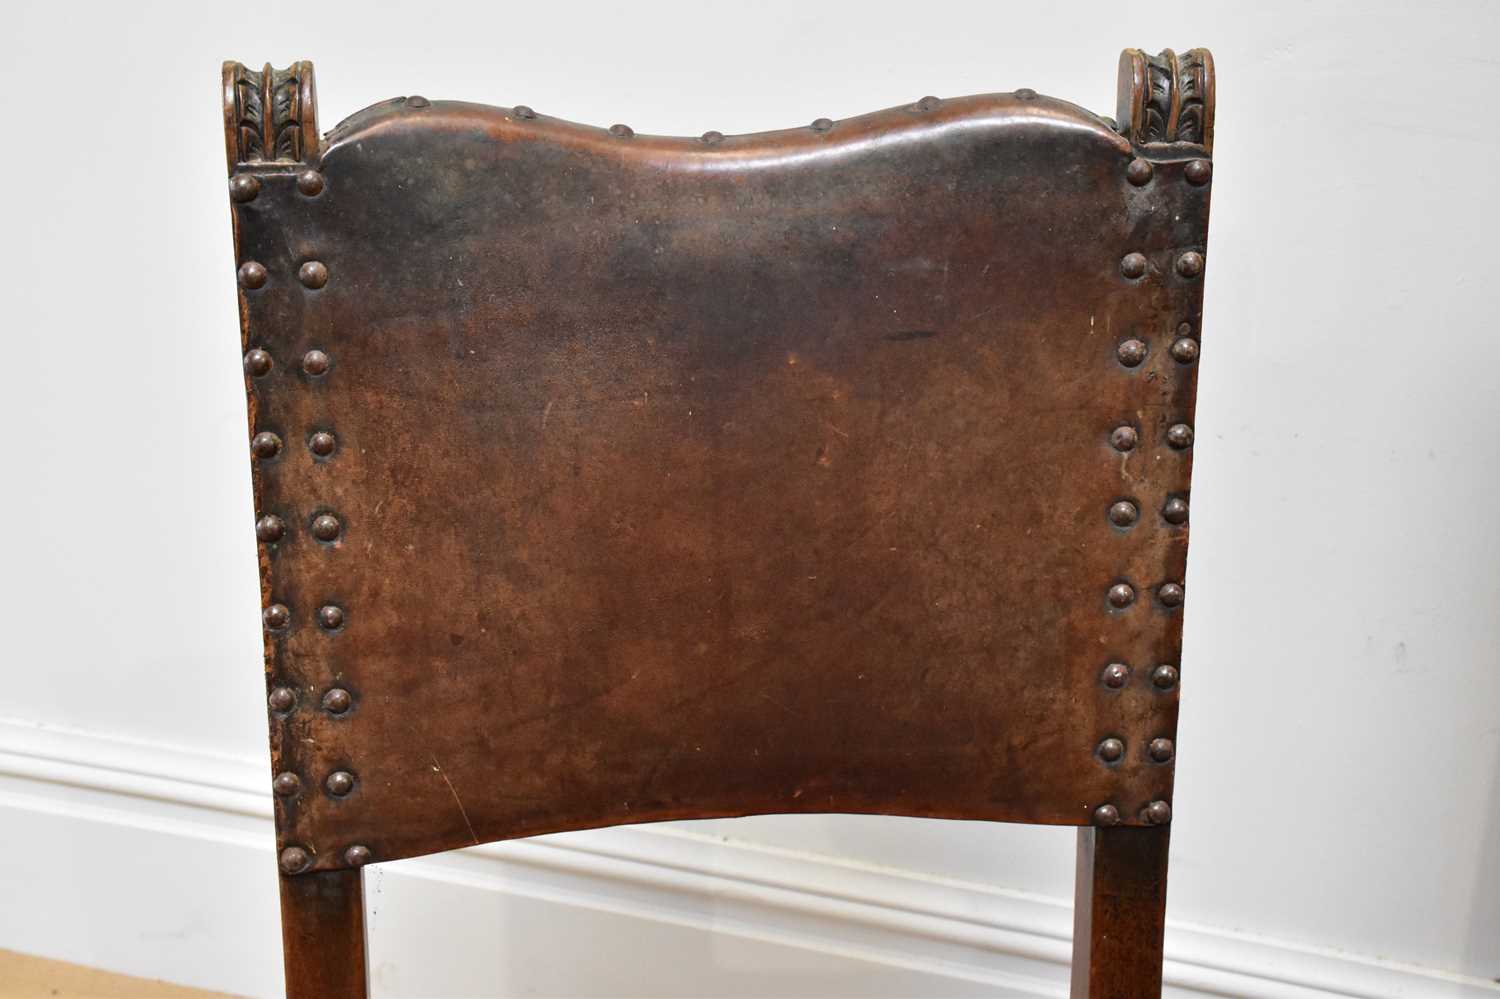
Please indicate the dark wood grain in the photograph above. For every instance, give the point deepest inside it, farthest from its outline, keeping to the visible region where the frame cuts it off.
(1119, 913)
(323, 935)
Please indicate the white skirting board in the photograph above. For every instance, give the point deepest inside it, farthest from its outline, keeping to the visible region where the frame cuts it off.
(158, 862)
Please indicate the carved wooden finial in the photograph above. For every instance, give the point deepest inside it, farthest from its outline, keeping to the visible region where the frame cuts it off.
(270, 116)
(1167, 97)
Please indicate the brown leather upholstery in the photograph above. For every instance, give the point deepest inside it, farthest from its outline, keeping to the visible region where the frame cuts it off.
(645, 478)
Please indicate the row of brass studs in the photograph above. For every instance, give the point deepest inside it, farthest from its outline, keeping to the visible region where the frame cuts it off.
(1125, 437)
(325, 527)
(294, 859)
(1157, 813)
(1184, 349)
(245, 187)
(336, 701)
(258, 363)
(1122, 594)
(1189, 265)
(277, 617)
(1117, 675)
(288, 785)
(1160, 750)
(271, 528)
(266, 445)
(713, 137)
(1112, 750)
(313, 274)
(1125, 513)
(1197, 172)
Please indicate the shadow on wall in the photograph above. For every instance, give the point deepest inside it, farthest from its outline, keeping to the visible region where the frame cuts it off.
(1482, 952)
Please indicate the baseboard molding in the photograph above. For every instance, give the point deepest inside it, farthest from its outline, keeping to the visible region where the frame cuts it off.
(952, 933)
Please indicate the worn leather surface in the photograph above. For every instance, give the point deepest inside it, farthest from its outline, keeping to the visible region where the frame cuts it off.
(684, 479)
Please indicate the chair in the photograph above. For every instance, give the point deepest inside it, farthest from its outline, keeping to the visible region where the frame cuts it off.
(608, 478)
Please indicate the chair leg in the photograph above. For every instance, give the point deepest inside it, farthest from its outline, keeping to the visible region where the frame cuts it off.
(323, 934)
(1119, 912)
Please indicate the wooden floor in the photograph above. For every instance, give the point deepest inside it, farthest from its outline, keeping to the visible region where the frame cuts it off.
(23, 977)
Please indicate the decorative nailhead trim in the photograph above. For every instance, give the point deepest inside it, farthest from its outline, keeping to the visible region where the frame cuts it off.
(243, 187)
(294, 860)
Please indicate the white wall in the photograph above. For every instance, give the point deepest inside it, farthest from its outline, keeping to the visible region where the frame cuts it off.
(1339, 779)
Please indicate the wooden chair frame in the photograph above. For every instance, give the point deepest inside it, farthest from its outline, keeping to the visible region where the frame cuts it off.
(607, 478)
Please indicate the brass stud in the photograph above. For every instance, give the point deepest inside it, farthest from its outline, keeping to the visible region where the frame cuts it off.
(523, 112)
(331, 617)
(282, 699)
(1139, 172)
(337, 701)
(310, 183)
(621, 131)
(928, 103)
(1131, 353)
(1190, 264)
(1111, 749)
(339, 783)
(257, 363)
(243, 187)
(1197, 172)
(1161, 750)
(1164, 677)
(1184, 329)
(1026, 94)
(270, 528)
(1116, 675)
(321, 443)
(822, 124)
(1170, 594)
(313, 274)
(326, 527)
(252, 275)
(1133, 265)
(276, 617)
(294, 859)
(1124, 438)
(1180, 436)
(1158, 813)
(418, 101)
(265, 445)
(1121, 595)
(1175, 511)
(1185, 350)
(357, 855)
(286, 784)
(315, 363)
(712, 137)
(1106, 815)
(1123, 513)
